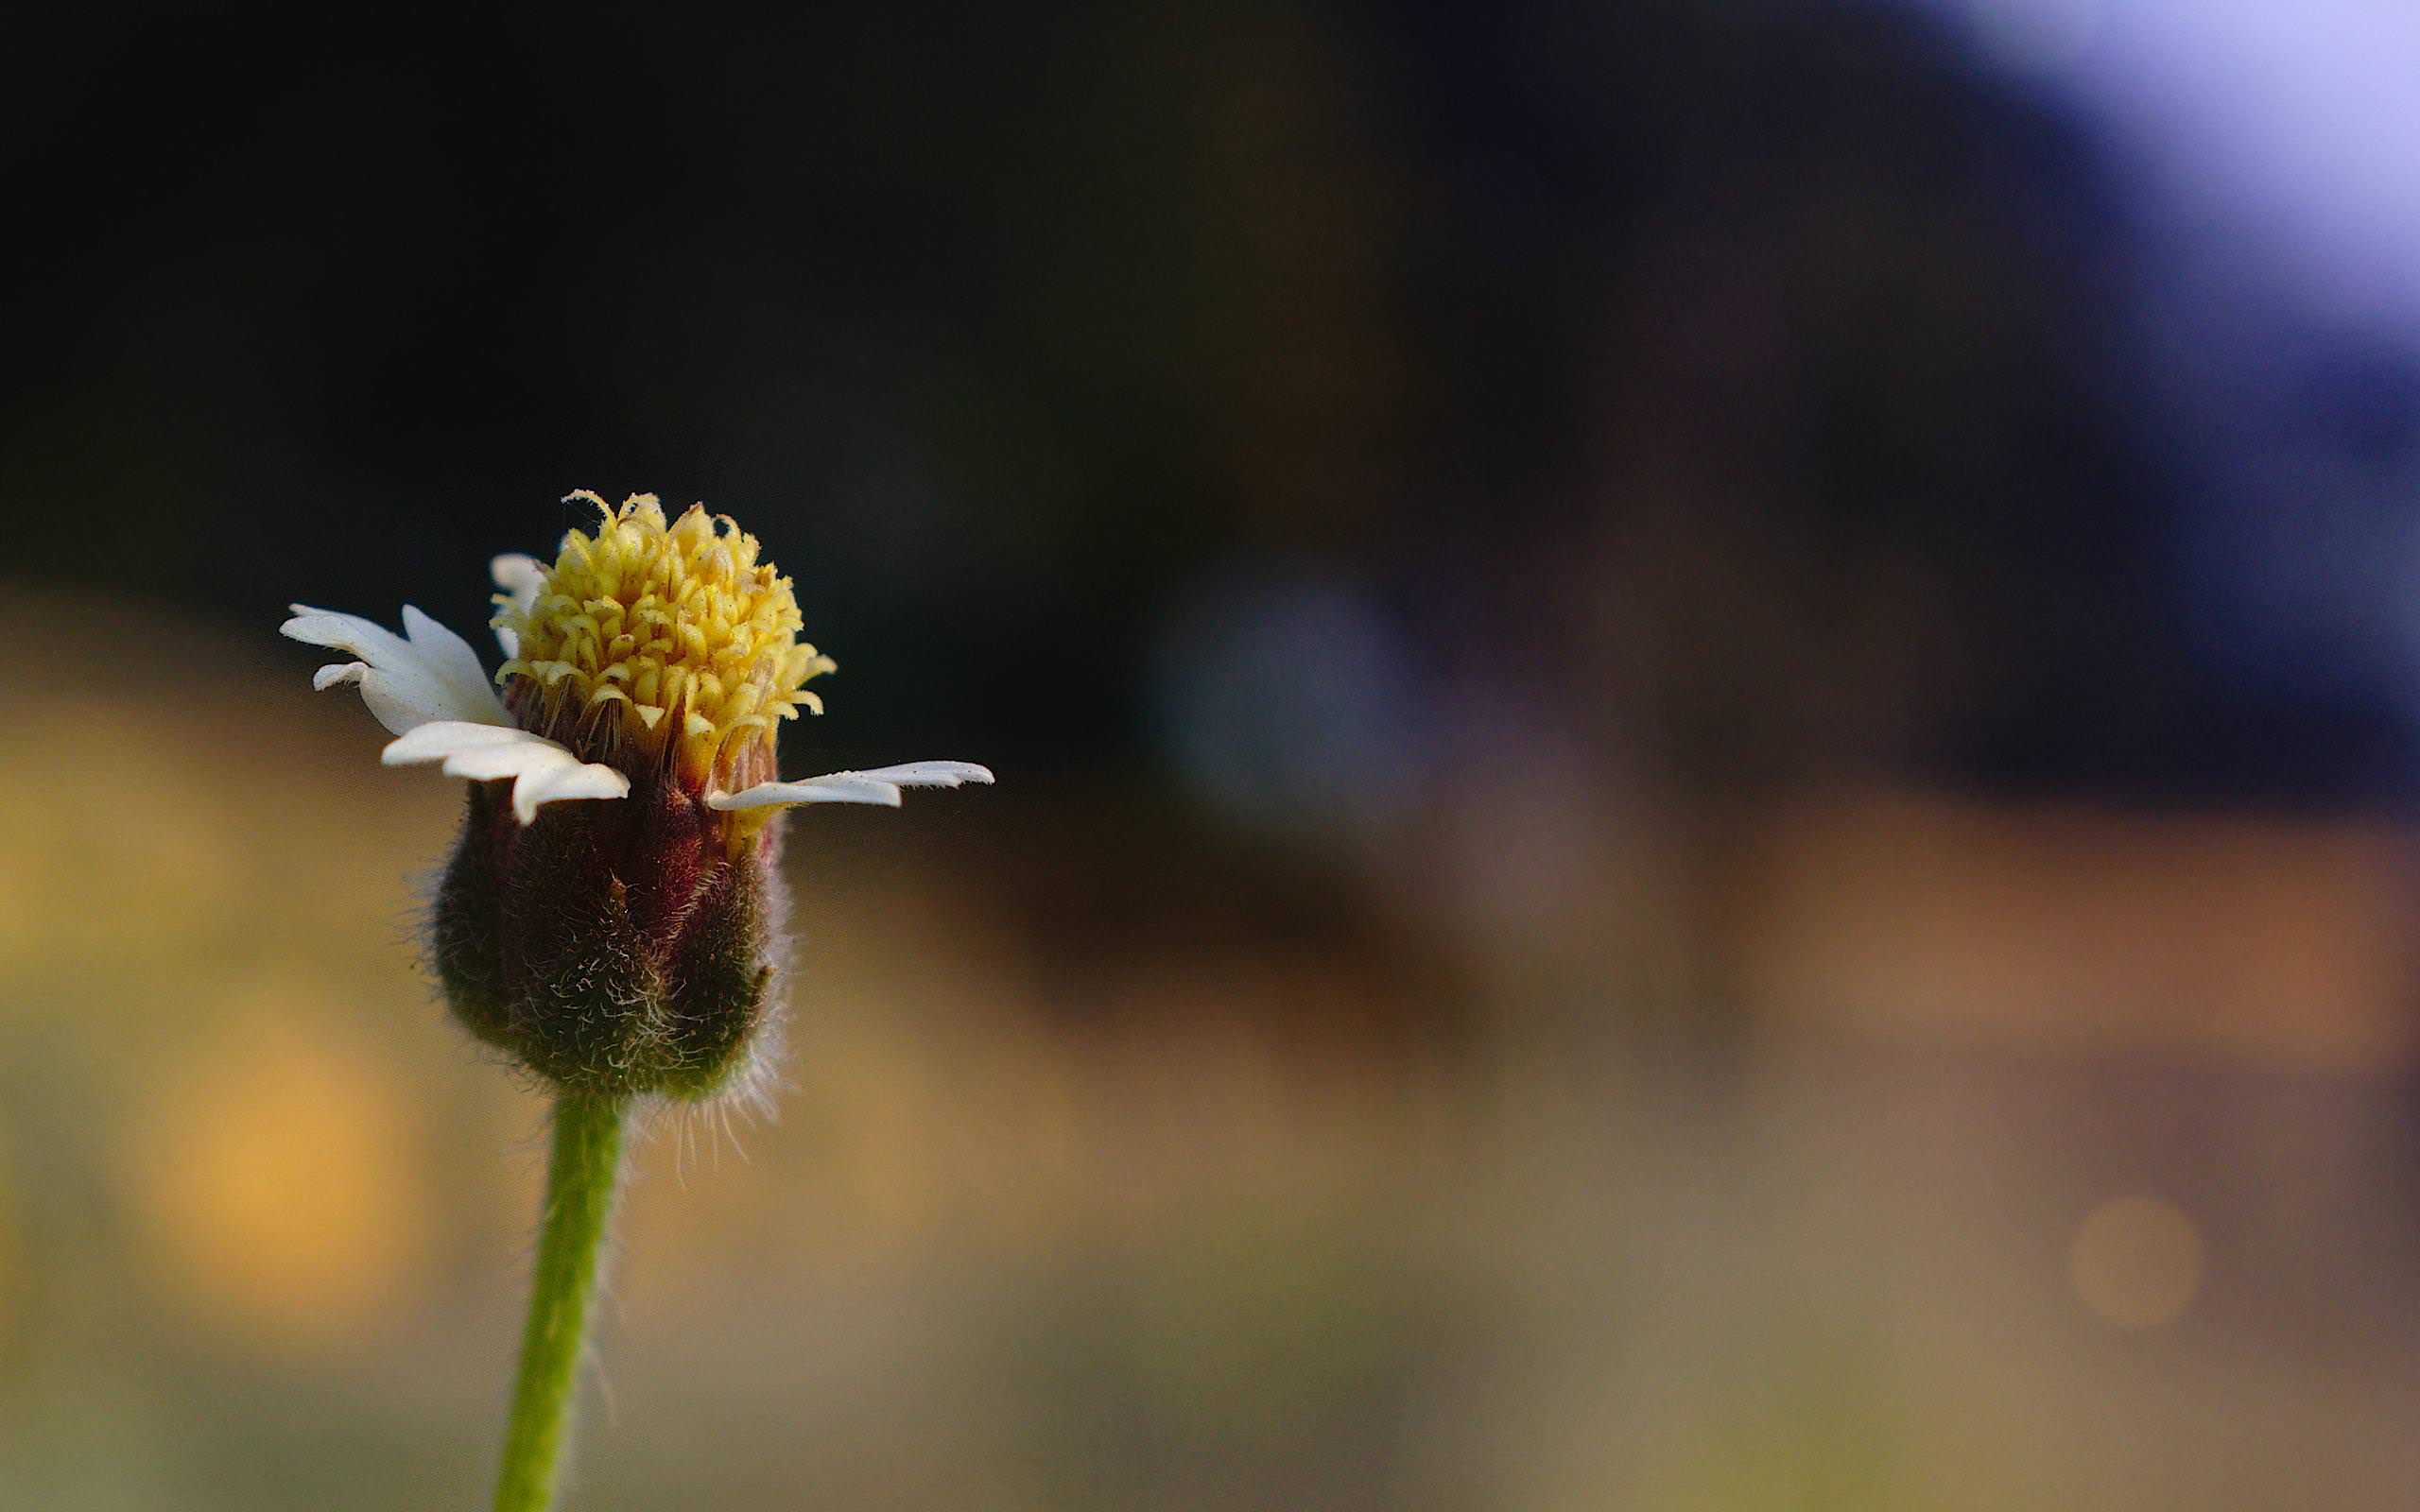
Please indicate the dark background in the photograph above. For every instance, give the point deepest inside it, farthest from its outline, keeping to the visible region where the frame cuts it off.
(1770, 386)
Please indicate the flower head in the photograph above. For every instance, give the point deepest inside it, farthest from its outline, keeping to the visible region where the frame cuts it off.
(657, 643)
(613, 947)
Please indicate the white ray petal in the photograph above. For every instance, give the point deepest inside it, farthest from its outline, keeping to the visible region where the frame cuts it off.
(928, 774)
(880, 785)
(440, 738)
(449, 654)
(542, 770)
(488, 764)
(840, 787)
(432, 675)
(572, 779)
(519, 576)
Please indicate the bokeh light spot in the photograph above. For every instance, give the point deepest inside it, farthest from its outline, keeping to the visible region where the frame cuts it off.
(1290, 700)
(2136, 1261)
(274, 1182)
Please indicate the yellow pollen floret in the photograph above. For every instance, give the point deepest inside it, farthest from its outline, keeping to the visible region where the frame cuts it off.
(647, 639)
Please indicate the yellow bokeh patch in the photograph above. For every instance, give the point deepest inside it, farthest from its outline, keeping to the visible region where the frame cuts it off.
(276, 1188)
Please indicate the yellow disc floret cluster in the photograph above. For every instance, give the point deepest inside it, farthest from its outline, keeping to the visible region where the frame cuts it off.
(649, 639)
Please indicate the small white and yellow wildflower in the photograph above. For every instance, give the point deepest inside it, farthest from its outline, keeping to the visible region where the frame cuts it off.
(623, 947)
(648, 644)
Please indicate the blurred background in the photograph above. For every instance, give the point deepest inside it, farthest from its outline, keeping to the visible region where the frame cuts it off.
(1708, 716)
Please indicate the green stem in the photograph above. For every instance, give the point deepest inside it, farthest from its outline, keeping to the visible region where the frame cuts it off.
(579, 1197)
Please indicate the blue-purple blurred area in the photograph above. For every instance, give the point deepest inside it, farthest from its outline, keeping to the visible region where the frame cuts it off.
(1706, 716)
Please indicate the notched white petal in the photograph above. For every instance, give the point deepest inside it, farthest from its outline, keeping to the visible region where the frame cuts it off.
(519, 573)
(439, 739)
(542, 770)
(838, 788)
(488, 764)
(930, 773)
(328, 677)
(520, 576)
(449, 655)
(575, 780)
(406, 682)
(881, 786)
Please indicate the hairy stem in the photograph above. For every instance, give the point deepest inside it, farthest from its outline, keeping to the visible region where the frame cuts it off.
(580, 1198)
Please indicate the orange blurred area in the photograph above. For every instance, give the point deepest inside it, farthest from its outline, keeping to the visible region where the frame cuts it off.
(1873, 1148)
(275, 1184)
(2230, 935)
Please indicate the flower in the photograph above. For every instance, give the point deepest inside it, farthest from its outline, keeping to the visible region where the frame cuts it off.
(615, 927)
(650, 646)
